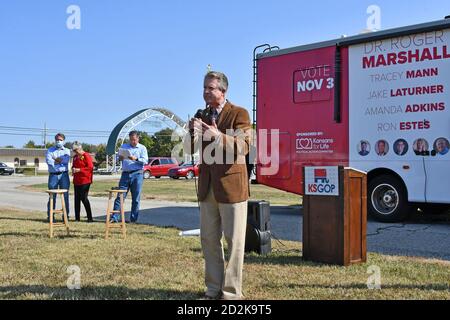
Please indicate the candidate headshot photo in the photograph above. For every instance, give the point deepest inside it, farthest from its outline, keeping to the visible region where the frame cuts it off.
(441, 146)
(382, 148)
(401, 147)
(421, 147)
(363, 148)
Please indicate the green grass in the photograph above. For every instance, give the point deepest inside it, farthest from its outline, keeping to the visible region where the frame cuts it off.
(155, 263)
(184, 191)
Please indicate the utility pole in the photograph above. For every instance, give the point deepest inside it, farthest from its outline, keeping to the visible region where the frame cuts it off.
(45, 135)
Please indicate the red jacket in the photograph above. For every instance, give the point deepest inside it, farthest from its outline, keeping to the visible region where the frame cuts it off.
(85, 164)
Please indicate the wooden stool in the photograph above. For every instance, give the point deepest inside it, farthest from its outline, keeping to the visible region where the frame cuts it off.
(63, 211)
(112, 196)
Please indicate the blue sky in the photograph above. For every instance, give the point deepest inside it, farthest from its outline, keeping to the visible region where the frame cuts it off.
(135, 54)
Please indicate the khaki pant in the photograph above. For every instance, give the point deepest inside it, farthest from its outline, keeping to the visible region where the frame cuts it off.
(231, 219)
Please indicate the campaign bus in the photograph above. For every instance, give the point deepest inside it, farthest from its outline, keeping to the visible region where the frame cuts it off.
(377, 102)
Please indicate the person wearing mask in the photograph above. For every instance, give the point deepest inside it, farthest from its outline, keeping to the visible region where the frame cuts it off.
(82, 169)
(58, 158)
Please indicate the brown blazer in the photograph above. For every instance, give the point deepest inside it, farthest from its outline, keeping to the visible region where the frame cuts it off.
(229, 178)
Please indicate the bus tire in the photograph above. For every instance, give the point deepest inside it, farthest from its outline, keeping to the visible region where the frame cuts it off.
(387, 199)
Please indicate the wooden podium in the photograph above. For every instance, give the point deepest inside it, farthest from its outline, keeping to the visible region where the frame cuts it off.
(334, 227)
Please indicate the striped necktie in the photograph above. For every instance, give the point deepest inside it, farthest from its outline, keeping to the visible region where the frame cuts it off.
(214, 115)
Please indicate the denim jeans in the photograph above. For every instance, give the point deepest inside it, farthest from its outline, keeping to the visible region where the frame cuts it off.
(130, 182)
(60, 181)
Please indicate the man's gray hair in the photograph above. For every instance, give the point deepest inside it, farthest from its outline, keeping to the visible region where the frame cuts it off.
(221, 77)
(77, 145)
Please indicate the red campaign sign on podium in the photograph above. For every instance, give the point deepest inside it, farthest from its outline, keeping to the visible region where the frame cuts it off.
(320, 174)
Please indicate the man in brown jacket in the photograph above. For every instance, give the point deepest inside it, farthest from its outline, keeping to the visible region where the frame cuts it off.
(222, 135)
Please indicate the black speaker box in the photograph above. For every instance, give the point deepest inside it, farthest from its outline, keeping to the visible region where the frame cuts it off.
(258, 238)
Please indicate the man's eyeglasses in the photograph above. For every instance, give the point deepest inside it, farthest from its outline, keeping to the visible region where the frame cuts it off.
(210, 88)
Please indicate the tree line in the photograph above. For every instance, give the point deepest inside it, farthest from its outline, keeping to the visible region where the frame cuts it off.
(159, 144)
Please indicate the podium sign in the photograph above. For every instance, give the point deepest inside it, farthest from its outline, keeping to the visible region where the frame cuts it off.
(322, 181)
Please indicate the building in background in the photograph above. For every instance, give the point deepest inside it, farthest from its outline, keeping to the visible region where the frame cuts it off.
(29, 158)
(21, 158)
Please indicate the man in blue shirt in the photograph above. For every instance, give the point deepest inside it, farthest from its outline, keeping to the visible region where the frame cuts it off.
(134, 157)
(57, 159)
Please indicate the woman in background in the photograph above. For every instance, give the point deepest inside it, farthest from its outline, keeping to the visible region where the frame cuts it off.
(82, 169)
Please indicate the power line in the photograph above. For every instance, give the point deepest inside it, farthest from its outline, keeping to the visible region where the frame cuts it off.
(44, 133)
(72, 134)
(20, 134)
(50, 135)
(53, 130)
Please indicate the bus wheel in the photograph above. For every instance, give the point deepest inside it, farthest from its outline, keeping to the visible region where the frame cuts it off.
(387, 200)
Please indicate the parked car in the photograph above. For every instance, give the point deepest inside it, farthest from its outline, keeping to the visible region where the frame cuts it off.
(158, 167)
(187, 170)
(4, 169)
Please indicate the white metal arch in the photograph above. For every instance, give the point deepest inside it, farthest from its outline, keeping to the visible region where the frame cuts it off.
(121, 131)
(163, 115)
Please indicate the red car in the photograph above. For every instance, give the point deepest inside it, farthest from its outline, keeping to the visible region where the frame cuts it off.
(187, 170)
(158, 167)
